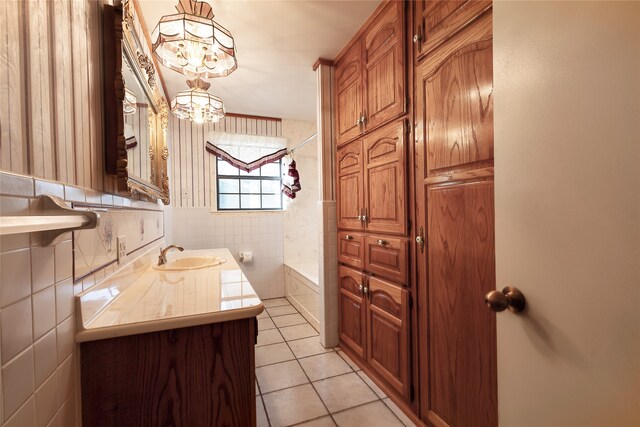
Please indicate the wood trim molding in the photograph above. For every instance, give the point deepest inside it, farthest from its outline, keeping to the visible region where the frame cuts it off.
(249, 116)
(321, 61)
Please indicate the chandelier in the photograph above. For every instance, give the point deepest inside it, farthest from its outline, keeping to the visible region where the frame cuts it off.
(196, 104)
(129, 103)
(192, 43)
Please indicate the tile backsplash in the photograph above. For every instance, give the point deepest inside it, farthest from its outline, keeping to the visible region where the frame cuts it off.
(40, 372)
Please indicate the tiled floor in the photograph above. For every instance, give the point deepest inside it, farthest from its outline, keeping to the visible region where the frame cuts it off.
(299, 382)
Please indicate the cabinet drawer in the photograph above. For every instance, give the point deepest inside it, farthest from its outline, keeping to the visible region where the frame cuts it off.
(350, 249)
(387, 257)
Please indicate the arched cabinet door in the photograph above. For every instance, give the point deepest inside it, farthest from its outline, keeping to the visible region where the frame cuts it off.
(388, 333)
(384, 66)
(351, 309)
(385, 179)
(350, 188)
(348, 94)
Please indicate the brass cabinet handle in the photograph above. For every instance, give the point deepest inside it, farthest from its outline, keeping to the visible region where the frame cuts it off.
(348, 237)
(510, 298)
(360, 287)
(382, 242)
(366, 290)
(364, 215)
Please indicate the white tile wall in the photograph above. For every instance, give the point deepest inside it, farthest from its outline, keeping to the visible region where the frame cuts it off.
(39, 360)
(261, 233)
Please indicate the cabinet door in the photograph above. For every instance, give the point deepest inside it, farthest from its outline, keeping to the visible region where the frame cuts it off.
(385, 179)
(384, 70)
(388, 333)
(348, 81)
(350, 188)
(387, 257)
(352, 309)
(438, 20)
(351, 249)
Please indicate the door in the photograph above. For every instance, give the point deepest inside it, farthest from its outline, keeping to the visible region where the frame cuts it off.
(455, 205)
(387, 257)
(388, 333)
(384, 66)
(350, 186)
(568, 213)
(352, 309)
(435, 21)
(385, 179)
(348, 81)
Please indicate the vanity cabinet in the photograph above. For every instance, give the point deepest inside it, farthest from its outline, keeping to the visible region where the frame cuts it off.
(374, 325)
(197, 376)
(370, 76)
(371, 181)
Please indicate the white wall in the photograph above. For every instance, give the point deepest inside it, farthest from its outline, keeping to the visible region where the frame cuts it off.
(300, 220)
(567, 155)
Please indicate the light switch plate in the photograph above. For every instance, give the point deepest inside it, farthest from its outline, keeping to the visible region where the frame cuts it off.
(122, 249)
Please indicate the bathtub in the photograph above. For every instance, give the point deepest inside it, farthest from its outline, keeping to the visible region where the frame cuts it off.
(301, 289)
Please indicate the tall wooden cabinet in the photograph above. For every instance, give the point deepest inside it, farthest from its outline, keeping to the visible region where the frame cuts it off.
(415, 216)
(372, 198)
(370, 77)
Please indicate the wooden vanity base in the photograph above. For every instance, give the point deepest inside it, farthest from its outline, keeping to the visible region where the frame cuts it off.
(197, 376)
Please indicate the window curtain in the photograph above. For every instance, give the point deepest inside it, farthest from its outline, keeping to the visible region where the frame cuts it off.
(246, 152)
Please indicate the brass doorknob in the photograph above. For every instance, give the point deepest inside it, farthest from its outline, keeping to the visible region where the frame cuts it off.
(510, 298)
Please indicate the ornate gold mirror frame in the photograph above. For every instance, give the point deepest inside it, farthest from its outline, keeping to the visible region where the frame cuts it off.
(120, 38)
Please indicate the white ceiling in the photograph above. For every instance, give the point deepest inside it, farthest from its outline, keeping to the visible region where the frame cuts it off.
(278, 43)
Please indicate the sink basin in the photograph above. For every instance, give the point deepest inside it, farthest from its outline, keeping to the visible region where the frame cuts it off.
(190, 263)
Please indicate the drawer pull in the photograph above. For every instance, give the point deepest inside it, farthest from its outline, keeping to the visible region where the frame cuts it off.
(382, 242)
(348, 237)
(360, 287)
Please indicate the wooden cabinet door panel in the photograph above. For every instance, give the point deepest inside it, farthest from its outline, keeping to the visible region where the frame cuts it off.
(438, 20)
(385, 179)
(350, 186)
(462, 331)
(459, 109)
(352, 310)
(348, 81)
(388, 333)
(384, 66)
(351, 249)
(387, 257)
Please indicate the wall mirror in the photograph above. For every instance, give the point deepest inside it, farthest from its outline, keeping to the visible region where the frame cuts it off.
(136, 112)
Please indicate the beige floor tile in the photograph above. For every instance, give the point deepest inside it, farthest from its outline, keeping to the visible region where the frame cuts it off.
(289, 320)
(324, 365)
(263, 315)
(375, 414)
(308, 347)
(264, 324)
(401, 415)
(371, 384)
(275, 302)
(349, 361)
(294, 405)
(318, 422)
(279, 376)
(281, 310)
(273, 353)
(269, 336)
(344, 391)
(261, 415)
(296, 332)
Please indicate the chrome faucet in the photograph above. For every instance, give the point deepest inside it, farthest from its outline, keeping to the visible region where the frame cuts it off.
(162, 259)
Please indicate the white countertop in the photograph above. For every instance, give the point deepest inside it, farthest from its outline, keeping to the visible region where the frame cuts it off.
(141, 299)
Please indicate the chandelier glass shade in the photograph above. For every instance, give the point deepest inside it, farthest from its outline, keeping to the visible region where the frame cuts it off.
(196, 104)
(192, 43)
(129, 103)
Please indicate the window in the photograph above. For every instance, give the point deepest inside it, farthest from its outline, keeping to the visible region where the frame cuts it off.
(238, 190)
